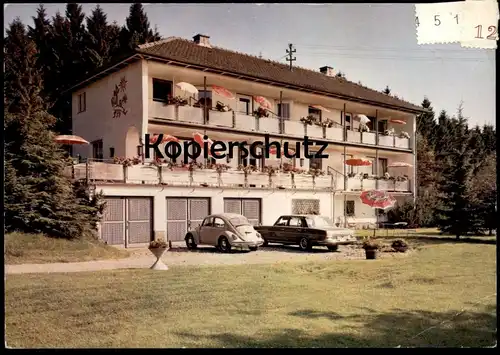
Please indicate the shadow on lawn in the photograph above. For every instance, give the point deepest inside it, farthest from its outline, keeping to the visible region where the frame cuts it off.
(398, 328)
(422, 239)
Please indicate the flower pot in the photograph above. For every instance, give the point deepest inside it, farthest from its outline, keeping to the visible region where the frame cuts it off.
(371, 254)
(158, 252)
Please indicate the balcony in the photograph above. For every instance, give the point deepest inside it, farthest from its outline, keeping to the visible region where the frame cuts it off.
(361, 184)
(272, 125)
(145, 174)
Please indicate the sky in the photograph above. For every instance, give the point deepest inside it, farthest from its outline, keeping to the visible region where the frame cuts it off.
(372, 43)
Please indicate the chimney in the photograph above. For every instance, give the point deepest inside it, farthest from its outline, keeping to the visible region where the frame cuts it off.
(202, 40)
(327, 71)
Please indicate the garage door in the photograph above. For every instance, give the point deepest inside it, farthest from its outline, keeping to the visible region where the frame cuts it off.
(248, 207)
(184, 214)
(127, 221)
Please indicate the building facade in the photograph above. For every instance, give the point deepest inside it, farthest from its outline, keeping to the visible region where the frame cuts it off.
(116, 108)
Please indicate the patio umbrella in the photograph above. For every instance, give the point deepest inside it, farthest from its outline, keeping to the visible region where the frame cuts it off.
(67, 139)
(273, 150)
(363, 119)
(358, 162)
(187, 87)
(219, 90)
(166, 138)
(263, 102)
(398, 121)
(319, 107)
(399, 164)
(378, 199)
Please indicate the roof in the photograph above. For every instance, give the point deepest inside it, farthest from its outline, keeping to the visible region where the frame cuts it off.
(188, 52)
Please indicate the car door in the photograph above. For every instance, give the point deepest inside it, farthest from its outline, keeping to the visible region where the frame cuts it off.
(218, 229)
(277, 232)
(206, 229)
(295, 230)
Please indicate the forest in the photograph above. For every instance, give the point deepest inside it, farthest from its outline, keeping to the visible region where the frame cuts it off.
(456, 164)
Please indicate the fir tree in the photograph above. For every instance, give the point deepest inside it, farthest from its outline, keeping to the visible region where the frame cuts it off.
(77, 59)
(456, 211)
(137, 30)
(98, 39)
(426, 123)
(38, 198)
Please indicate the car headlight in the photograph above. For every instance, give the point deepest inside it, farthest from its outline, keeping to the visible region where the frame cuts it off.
(259, 235)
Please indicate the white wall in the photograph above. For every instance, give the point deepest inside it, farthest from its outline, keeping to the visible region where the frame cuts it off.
(274, 202)
(97, 121)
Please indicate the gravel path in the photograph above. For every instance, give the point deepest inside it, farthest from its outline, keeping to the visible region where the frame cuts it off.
(141, 258)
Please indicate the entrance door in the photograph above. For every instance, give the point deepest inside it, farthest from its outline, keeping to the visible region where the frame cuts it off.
(127, 221)
(248, 207)
(184, 214)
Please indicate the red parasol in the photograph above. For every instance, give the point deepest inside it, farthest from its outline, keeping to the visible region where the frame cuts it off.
(263, 102)
(399, 164)
(398, 121)
(273, 150)
(166, 138)
(358, 162)
(219, 90)
(67, 139)
(378, 199)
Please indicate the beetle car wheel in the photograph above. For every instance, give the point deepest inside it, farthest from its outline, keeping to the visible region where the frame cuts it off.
(253, 248)
(304, 244)
(224, 245)
(190, 243)
(333, 247)
(266, 243)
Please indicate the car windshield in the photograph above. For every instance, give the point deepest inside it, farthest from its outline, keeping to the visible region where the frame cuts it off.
(319, 222)
(239, 221)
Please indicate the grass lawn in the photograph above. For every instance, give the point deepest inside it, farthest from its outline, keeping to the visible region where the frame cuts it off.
(356, 303)
(21, 248)
(427, 234)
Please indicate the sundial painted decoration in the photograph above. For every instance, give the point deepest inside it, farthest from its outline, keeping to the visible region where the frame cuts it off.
(119, 98)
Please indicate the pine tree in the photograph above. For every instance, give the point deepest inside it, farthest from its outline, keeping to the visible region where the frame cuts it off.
(456, 211)
(98, 39)
(484, 189)
(137, 30)
(38, 198)
(40, 34)
(387, 90)
(78, 63)
(426, 123)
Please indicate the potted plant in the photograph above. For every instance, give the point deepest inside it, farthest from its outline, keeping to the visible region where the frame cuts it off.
(308, 120)
(371, 249)
(247, 170)
(176, 100)
(221, 107)
(404, 134)
(328, 123)
(157, 247)
(261, 112)
(399, 245)
(271, 171)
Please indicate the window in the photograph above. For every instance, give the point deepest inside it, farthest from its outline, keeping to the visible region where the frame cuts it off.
(295, 222)
(372, 159)
(111, 152)
(315, 113)
(282, 221)
(349, 208)
(348, 121)
(245, 105)
(208, 222)
(315, 163)
(349, 169)
(284, 111)
(82, 102)
(382, 166)
(219, 223)
(97, 152)
(161, 89)
(382, 126)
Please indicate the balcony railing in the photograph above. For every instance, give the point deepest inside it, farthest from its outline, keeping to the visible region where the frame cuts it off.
(359, 184)
(271, 125)
(163, 175)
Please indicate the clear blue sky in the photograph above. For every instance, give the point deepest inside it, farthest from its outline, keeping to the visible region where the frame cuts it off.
(372, 43)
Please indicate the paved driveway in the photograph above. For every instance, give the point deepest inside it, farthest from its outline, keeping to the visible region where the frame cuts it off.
(142, 258)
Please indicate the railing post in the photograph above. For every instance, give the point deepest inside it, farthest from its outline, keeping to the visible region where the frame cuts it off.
(233, 114)
(125, 173)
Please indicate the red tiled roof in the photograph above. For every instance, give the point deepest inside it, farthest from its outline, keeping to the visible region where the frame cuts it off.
(188, 52)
